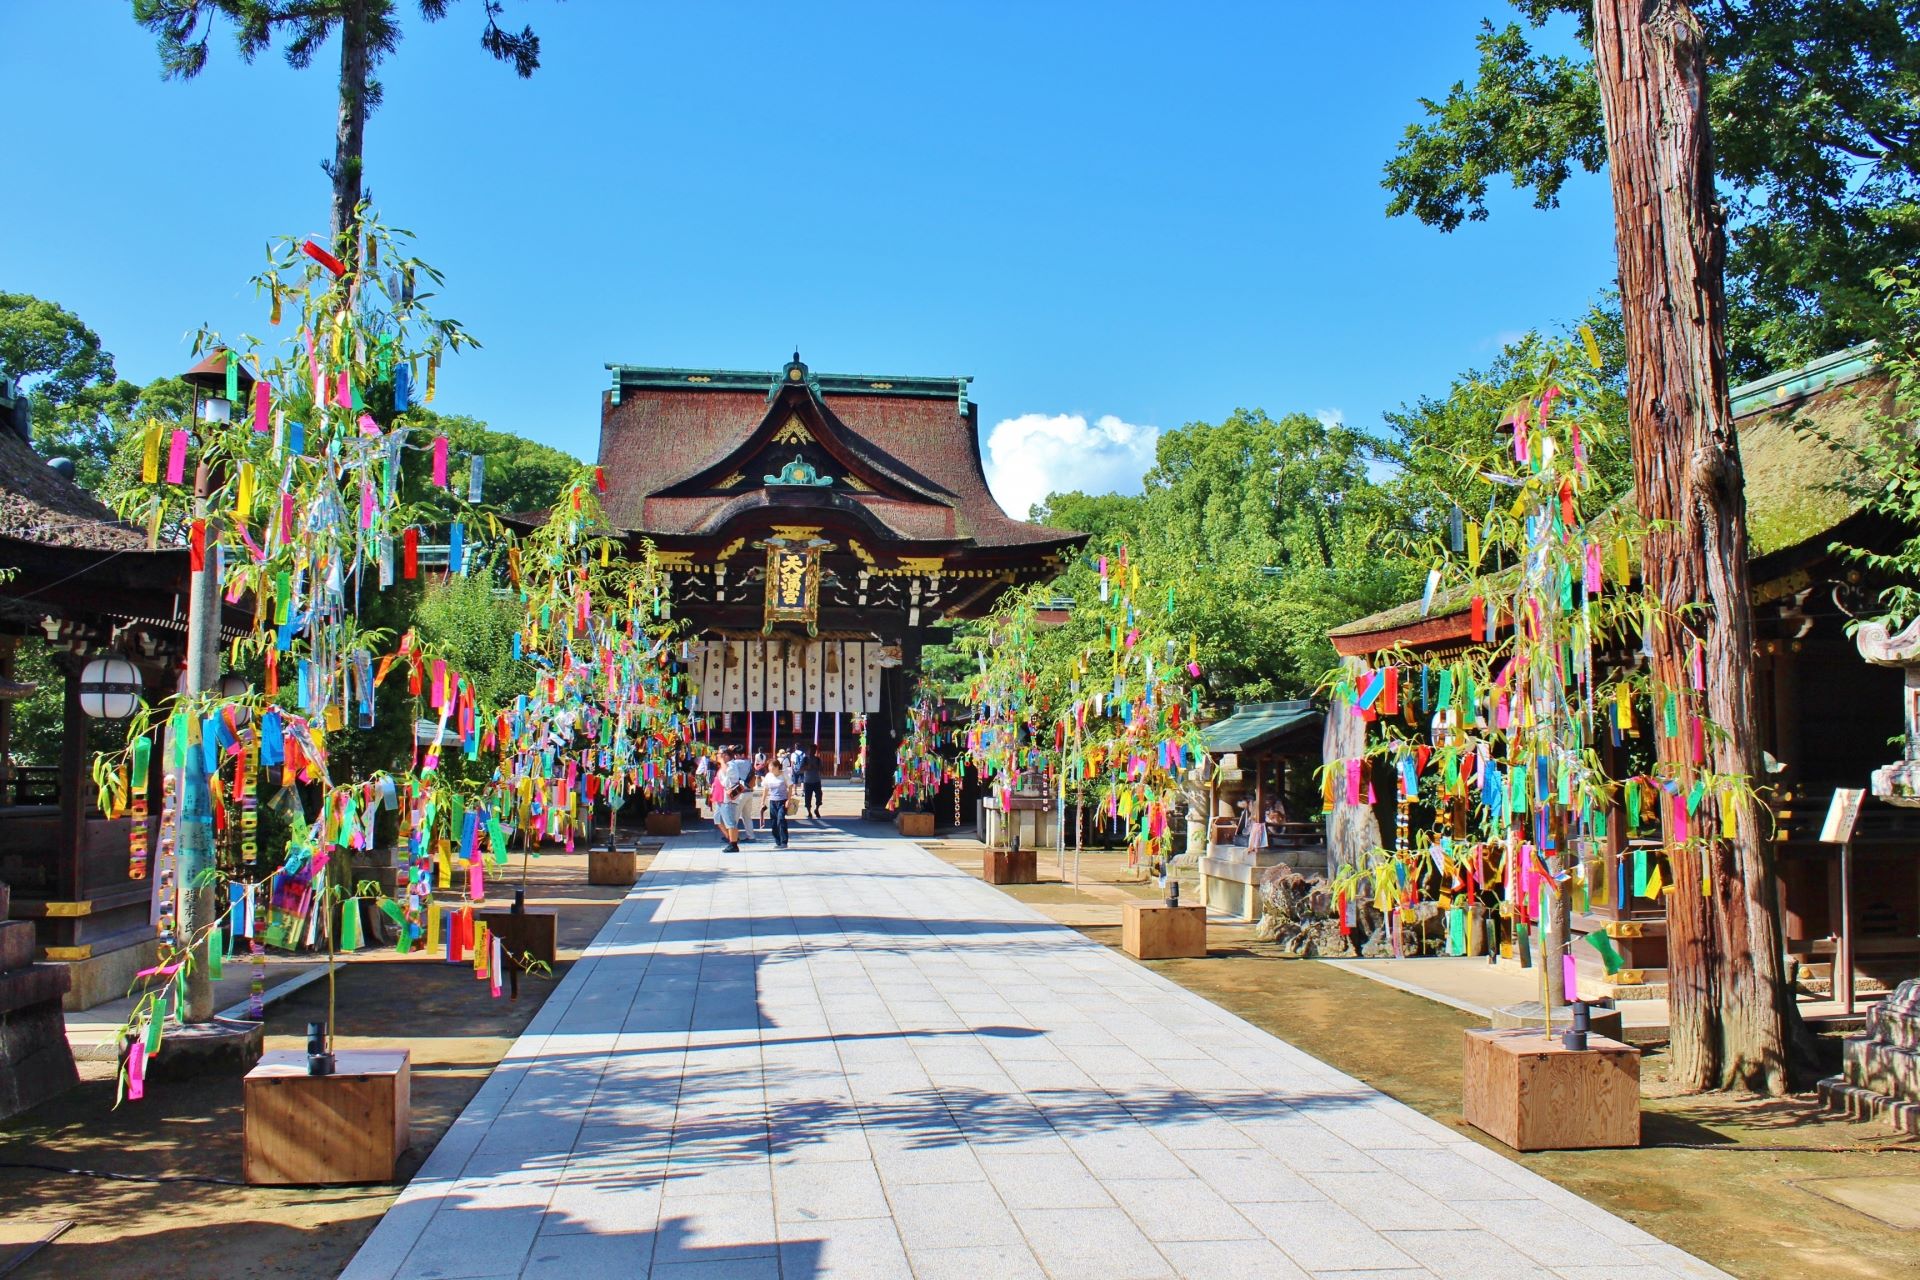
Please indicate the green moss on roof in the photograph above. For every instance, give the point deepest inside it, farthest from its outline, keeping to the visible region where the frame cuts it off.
(1799, 486)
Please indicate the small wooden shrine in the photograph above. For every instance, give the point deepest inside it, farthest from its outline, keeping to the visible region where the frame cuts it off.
(818, 530)
(1827, 715)
(83, 585)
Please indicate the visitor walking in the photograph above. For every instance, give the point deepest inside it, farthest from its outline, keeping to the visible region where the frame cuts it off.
(726, 813)
(810, 781)
(777, 789)
(738, 773)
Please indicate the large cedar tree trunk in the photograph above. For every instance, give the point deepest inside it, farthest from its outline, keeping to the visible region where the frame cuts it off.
(350, 126)
(1729, 1001)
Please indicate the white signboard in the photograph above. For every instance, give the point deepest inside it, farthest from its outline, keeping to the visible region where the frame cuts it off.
(1842, 815)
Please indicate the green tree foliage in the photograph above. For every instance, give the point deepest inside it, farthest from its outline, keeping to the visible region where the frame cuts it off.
(1281, 532)
(69, 378)
(1438, 443)
(49, 349)
(1815, 111)
(521, 474)
(1887, 463)
(471, 624)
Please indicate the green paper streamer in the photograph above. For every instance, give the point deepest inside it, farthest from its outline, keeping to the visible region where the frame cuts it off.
(1608, 956)
(350, 925)
(1639, 873)
(1457, 931)
(153, 1031)
(213, 957)
(142, 753)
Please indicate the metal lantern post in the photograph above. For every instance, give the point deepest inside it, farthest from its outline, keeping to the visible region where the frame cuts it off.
(193, 846)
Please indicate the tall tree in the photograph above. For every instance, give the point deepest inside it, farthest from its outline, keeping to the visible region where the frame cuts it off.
(1813, 109)
(1730, 1006)
(368, 30)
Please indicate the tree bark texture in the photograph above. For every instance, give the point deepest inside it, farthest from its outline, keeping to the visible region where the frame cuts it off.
(350, 127)
(1729, 1001)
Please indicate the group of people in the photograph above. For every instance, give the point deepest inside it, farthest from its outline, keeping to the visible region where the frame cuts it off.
(745, 791)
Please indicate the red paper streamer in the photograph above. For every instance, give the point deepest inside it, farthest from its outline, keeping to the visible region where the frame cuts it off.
(324, 258)
(410, 553)
(197, 545)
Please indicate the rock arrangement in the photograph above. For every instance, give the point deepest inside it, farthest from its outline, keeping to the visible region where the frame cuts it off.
(1297, 918)
(35, 1061)
(1880, 1070)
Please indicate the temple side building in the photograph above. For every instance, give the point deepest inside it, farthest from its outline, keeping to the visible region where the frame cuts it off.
(819, 530)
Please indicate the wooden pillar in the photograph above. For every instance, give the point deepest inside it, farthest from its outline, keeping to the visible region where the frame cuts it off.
(8, 647)
(69, 865)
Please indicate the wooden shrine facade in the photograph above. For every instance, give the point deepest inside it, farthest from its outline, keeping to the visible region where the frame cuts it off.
(1826, 716)
(818, 531)
(82, 584)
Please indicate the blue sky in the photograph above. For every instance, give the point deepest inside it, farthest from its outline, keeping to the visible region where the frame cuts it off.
(1117, 217)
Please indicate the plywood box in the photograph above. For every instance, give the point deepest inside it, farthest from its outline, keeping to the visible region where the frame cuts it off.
(1534, 1094)
(351, 1126)
(532, 933)
(1156, 931)
(662, 823)
(917, 825)
(611, 866)
(1003, 866)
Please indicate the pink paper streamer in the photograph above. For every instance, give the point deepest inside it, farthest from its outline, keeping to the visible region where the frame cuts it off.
(137, 1071)
(343, 391)
(262, 403)
(177, 458)
(440, 461)
(1569, 976)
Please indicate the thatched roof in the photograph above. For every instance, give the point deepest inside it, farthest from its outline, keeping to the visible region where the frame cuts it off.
(39, 505)
(1799, 487)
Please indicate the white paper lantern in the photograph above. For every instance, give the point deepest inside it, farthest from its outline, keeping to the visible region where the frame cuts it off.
(109, 688)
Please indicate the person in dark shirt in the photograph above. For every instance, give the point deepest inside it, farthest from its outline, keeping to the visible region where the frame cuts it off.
(810, 780)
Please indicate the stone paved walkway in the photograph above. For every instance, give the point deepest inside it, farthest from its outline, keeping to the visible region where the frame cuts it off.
(849, 1059)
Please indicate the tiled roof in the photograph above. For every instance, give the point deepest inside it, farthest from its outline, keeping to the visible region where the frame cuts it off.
(1258, 724)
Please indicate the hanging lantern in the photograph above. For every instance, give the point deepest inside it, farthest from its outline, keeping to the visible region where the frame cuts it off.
(234, 685)
(110, 688)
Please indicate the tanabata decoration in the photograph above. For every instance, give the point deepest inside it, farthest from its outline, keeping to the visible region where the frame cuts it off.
(1522, 774)
(924, 762)
(301, 526)
(1104, 709)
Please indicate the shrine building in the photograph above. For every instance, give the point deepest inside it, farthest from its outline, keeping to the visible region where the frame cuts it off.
(819, 530)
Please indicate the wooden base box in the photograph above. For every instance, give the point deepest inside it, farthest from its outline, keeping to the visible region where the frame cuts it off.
(662, 823)
(916, 825)
(1156, 931)
(351, 1126)
(534, 933)
(1534, 1094)
(1009, 866)
(617, 867)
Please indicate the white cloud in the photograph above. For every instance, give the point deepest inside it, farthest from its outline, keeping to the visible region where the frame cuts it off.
(1035, 454)
(1331, 417)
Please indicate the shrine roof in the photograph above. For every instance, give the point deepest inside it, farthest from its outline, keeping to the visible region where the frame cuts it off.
(1800, 487)
(667, 434)
(39, 505)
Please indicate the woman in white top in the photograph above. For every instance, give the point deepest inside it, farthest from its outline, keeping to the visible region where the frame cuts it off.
(777, 789)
